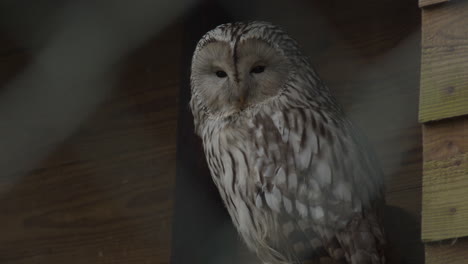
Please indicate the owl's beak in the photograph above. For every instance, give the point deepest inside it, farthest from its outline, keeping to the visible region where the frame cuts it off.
(240, 97)
(241, 101)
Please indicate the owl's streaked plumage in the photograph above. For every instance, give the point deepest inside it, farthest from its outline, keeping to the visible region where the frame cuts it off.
(296, 178)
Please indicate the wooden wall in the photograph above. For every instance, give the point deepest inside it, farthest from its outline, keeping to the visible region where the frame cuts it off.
(104, 195)
(443, 111)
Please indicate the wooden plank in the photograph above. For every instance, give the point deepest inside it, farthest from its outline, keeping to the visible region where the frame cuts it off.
(425, 3)
(444, 62)
(445, 180)
(105, 196)
(453, 251)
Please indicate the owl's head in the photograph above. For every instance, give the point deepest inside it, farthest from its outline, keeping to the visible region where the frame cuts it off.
(239, 65)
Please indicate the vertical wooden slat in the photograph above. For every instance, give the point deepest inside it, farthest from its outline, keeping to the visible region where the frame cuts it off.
(445, 180)
(444, 74)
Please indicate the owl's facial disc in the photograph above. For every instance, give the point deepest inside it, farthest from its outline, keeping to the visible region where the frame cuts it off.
(230, 78)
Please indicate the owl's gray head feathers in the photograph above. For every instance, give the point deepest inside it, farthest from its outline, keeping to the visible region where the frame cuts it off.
(238, 66)
(234, 33)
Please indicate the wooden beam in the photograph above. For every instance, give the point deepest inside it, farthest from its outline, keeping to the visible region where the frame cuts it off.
(444, 66)
(445, 180)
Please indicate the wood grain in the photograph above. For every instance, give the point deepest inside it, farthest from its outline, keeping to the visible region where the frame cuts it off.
(445, 180)
(444, 63)
(454, 251)
(106, 195)
(425, 3)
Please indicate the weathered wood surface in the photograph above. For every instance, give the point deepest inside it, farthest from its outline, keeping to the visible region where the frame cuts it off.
(454, 251)
(444, 62)
(445, 180)
(105, 196)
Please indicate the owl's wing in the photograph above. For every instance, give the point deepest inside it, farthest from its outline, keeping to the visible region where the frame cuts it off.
(318, 174)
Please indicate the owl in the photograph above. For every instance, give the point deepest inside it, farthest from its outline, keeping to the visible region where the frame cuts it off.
(296, 177)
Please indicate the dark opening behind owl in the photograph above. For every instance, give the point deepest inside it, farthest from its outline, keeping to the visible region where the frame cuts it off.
(298, 180)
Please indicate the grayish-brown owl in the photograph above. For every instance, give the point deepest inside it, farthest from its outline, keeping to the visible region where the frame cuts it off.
(297, 179)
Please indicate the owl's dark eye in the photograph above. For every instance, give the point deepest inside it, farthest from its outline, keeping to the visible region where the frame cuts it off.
(221, 74)
(258, 69)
